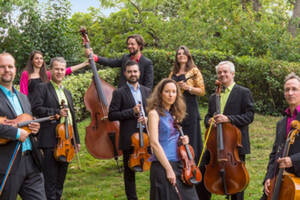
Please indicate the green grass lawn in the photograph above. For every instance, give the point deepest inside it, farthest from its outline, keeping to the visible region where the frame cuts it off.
(100, 179)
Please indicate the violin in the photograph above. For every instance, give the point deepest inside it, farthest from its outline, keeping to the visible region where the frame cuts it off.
(22, 121)
(102, 135)
(139, 159)
(190, 173)
(286, 186)
(65, 150)
(225, 174)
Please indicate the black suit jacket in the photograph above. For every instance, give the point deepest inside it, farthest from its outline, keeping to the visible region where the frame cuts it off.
(121, 109)
(239, 109)
(9, 132)
(278, 147)
(145, 65)
(45, 103)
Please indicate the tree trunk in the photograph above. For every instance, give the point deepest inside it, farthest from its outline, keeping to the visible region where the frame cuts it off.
(294, 23)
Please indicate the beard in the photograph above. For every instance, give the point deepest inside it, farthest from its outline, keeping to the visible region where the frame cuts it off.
(133, 53)
(132, 81)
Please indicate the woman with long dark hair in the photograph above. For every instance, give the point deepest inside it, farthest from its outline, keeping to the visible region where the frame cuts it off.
(36, 72)
(190, 80)
(166, 106)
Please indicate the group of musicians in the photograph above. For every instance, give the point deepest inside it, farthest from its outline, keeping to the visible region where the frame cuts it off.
(30, 169)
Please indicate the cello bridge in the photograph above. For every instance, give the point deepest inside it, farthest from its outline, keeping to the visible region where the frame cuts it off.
(104, 118)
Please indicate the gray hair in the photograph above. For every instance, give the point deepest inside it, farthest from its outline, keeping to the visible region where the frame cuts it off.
(229, 63)
(57, 59)
(290, 76)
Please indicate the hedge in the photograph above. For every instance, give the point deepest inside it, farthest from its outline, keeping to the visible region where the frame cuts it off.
(263, 76)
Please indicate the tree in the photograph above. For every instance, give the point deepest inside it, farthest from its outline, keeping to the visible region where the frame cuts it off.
(294, 22)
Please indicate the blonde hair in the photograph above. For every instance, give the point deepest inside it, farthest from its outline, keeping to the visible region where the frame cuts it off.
(178, 108)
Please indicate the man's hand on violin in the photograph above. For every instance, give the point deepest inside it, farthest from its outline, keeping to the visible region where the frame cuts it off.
(285, 162)
(220, 118)
(137, 109)
(34, 127)
(63, 112)
(143, 120)
(23, 135)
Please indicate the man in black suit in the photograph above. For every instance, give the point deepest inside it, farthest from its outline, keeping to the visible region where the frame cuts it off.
(46, 101)
(126, 105)
(291, 163)
(237, 108)
(25, 177)
(135, 45)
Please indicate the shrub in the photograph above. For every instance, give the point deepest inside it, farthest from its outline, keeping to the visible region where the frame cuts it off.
(263, 76)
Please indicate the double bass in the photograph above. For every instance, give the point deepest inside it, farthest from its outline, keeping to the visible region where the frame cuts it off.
(102, 135)
(286, 186)
(225, 173)
(190, 173)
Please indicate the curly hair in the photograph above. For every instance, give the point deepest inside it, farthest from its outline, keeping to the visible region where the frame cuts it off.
(190, 63)
(29, 66)
(155, 102)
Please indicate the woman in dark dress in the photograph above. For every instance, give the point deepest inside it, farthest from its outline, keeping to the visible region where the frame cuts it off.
(35, 72)
(164, 107)
(189, 78)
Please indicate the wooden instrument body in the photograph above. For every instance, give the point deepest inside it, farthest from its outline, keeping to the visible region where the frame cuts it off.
(22, 121)
(237, 177)
(65, 150)
(140, 156)
(190, 173)
(97, 138)
(290, 189)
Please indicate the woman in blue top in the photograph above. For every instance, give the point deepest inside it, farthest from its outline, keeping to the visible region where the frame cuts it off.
(165, 105)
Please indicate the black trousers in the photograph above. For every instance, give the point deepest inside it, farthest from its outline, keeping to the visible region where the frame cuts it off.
(54, 173)
(28, 181)
(129, 177)
(204, 194)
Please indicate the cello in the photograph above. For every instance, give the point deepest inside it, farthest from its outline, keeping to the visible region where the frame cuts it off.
(190, 173)
(139, 159)
(286, 186)
(225, 173)
(102, 135)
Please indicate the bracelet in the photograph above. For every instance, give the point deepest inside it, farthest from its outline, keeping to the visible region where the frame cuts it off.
(190, 89)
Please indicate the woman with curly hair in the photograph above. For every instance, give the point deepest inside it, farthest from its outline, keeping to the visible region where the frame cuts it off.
(165, 107)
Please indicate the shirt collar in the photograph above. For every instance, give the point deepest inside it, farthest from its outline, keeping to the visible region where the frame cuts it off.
(7, 92)
(56, 86)
(231, 86)
(131, 86)
(288, 111)
(137, 59)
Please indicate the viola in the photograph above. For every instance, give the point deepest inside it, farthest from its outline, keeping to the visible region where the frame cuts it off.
(190, 173)
(139, 159)
(286, 186)
(102, 135)
(22, 121)
(65, 150)
(225, 173)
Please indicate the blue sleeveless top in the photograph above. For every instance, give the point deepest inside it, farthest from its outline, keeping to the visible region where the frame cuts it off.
(168, 137)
